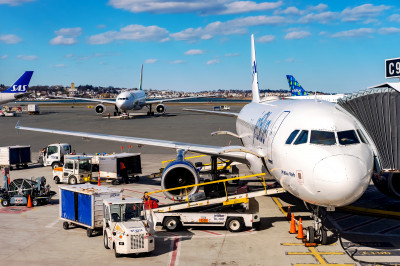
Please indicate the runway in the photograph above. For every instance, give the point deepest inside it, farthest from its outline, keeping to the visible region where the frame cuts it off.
(35, 236)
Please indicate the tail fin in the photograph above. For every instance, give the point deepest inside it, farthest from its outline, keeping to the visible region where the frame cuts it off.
(254, 86)
(295, 88)
(141, 77)
(21, 84)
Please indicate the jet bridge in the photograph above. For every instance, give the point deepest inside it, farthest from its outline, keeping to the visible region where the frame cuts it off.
(378, 110)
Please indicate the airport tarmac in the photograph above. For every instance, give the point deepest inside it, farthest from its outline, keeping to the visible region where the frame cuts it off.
(35, 236)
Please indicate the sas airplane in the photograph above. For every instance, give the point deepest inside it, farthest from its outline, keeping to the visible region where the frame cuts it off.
(132, 100)
(18, 89)
(315, 151)
(298, 93)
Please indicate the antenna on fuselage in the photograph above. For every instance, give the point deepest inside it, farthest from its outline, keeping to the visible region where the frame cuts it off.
(254, 85)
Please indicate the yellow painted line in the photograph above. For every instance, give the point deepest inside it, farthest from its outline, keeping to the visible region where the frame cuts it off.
(301, 244)
(373, 212)
(297, 264)
(279, 205)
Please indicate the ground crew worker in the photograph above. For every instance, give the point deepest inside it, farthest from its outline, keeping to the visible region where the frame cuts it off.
(108, 115)
(123, 172)
(149, 202)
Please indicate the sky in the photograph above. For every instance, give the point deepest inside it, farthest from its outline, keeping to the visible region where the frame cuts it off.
(332, 46)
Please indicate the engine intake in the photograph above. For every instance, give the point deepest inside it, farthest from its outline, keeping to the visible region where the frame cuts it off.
(177, 174)
(388, 184)
(160, 109)
(100, 108)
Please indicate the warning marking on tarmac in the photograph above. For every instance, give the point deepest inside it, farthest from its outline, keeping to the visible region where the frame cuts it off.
(175, 248)
(317, 255)
(211, 232)
(15, 209)
(368, 244)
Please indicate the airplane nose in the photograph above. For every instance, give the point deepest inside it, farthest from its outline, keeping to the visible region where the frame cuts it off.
(341, 179)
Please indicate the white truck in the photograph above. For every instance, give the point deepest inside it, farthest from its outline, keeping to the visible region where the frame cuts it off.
(33, 109)
(76, 169)
(126, 228)
(53, 154)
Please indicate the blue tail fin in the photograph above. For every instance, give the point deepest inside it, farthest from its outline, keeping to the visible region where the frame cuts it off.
(295, 88)
(21, 85)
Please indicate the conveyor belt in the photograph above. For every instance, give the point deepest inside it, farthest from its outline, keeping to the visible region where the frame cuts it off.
(378, 109)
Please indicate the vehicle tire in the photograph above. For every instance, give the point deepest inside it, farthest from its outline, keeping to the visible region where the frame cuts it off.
(172, 224)
(72, 180)
(55, 165)
(5, 203)
(234, 224)
(35, 202)
(11, 168)
(106, 246)
(89, 232)
(323, 236)
(26, 166)
(117, 255)
(65, 225)
(57, 180)
(137, 178)
(17, 166)
(115, 182)
(310, 235)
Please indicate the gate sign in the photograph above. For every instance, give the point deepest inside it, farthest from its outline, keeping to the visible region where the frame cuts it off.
(392, 67)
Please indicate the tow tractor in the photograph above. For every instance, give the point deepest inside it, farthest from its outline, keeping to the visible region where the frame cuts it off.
(76, 170)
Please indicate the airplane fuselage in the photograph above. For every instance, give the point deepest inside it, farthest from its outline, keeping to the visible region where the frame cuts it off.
(8, 97)
(329, 98)
(131, 100)
(328, 166)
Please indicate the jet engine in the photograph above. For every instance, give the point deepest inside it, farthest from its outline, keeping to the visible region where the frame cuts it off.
(177, 174)
(160, 109)
(388, 184)
(100, 108)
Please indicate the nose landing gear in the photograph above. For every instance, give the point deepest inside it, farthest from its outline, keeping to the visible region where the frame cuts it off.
(317, 233)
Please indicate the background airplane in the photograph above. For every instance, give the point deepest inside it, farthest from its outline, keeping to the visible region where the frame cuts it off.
(298, 93)
(132, 100)
(315, 151)
(18, 89)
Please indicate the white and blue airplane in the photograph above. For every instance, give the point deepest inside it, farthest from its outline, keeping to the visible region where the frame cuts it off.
(18, 89)
(132, 100)
(315, 151)
(298, 93)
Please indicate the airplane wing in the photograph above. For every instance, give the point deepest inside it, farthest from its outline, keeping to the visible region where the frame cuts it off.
(212, 112)
(234, 153)
(175, 99)
(87, 99)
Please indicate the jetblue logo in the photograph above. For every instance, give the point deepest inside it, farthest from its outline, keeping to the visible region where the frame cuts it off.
(19, 88)
(261, 128)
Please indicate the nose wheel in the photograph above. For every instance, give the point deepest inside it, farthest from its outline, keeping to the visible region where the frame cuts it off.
(317, 233)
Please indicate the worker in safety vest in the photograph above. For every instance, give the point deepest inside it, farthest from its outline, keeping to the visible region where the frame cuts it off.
(123, 172)
(149, 202)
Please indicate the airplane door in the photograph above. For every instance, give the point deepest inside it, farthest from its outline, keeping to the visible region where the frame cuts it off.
(273, 132)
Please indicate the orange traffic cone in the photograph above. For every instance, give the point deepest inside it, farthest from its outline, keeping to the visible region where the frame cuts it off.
(98, 181)
(300, 231)
(289, 213)
(29, 202)
(292, 225)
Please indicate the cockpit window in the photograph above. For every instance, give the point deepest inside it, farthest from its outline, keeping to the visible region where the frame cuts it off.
(322, 137)
(347, 137)
(302, 138)
(362, 136)
(292, 136)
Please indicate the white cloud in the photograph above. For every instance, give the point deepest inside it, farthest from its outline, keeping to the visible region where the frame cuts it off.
(150, 61)
(266, 38)
(395, 18)
(71, 32)
(10, 39)
(390, 30)
(61, 40)
(212, 61)
(353, 33)
(194, 52)
(4, 56)
(132, 33)
(27, 57)
(361, 12)
(291, 10)
(203, 7)
(318, 8)
(290, 60)
(235, 26)
(14, 2)
(178, 62)
(296, 35)
(323, 18)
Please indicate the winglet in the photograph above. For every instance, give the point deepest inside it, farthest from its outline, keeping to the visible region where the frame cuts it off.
(141, 77)
(254, 84)
(17, 125)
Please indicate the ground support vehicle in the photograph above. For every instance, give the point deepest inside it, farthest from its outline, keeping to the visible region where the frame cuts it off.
(19, 190)
(76, 170)
(19, 156)
(82, 205)
(109, 166)
(33, 109)
(53, 154)
(126, 228)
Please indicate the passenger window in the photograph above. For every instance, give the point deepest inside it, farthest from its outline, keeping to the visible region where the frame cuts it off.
(362, 136)
(322, 137)
(347, 137)
(292, 136)
(302, 138)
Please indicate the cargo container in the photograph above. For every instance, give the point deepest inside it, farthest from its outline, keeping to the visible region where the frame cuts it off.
(19, 156)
